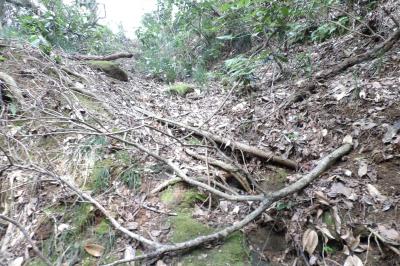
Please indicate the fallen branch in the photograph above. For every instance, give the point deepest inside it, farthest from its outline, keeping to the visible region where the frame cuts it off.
(101, 57)
(323, 165)
(373, 53)
(90, 199)
(27, 237)
(269, 156)
(235, 172)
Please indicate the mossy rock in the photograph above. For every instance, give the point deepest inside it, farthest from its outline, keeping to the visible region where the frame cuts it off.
(111, 69)
(232, 252)
(181, 198)
(180, 89)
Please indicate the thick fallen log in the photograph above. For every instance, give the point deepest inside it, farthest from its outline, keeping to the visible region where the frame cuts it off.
(268, 156)
(322, 166)
(101, 57)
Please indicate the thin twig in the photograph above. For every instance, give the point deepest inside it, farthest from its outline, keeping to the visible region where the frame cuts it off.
(26, 235)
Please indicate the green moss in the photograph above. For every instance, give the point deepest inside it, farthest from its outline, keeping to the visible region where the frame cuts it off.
(232, 252)
(186, 228)
(190, 197)
(181, 197)
(111, 69)
(2, 58)
(91, 104)
(103, 228)
(180, 89)
(167, 196)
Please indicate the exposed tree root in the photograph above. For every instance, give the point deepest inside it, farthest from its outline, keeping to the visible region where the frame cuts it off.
(323, 165)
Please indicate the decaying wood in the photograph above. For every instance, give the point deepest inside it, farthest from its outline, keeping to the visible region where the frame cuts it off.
(268, 156)
(234, 171)
(322, 166)
(102, 57)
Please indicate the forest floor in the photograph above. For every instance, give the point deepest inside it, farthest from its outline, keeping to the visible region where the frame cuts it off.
(78, 124)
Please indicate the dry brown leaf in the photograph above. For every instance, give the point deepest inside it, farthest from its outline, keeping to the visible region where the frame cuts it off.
(351, 241)
(348, 139)
(17, 262)
(94, 250)
(363, 168)
(325, 232)
(322, 198)
(129, 253)
(310, 241)
(389, 235)
(374, 192)
(353, 261)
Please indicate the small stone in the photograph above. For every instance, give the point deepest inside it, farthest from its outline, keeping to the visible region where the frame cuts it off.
(132, 226)
(348, 173)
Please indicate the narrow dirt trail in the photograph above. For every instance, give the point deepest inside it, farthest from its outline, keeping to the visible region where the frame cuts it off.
(91, 140)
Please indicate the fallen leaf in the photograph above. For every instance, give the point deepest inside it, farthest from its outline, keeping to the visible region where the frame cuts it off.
(363, 168)
(348, 139)
(353, 261)
(17, 262)
(129, 253)
(374, 192)
(322, 198)
(94, 250)
(325, 232)
(310, 241)
(389, 235)
(160, 263)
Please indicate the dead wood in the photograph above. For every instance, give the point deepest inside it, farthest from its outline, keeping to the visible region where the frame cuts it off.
(322, 166)
(232, 170)
(101, 57)
(371, 54)
(27, 237)
(268, 156)
(338, 68)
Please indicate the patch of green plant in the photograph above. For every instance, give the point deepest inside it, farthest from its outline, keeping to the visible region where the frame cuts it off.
(194, 141)
(180, 89)
(2, 58)
(95, 144)
(131, 177)
(282, 205)
(101, 175)
(103, 228)
(329, 29)
(329, 250)
(241, 69)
